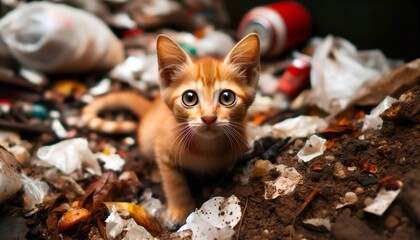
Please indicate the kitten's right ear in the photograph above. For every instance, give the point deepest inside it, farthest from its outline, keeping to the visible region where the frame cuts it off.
(171, 58)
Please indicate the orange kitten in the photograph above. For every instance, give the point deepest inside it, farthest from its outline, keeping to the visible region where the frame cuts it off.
(198, 123)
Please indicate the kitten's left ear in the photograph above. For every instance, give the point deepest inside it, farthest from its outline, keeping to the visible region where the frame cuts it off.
(245, 57)
(171, 58)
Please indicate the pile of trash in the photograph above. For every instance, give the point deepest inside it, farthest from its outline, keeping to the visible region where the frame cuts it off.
(60, 180)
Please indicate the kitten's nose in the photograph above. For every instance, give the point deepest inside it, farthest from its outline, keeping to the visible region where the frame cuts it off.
(209, 119)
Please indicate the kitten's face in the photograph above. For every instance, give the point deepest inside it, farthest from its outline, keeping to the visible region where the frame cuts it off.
(208, 94)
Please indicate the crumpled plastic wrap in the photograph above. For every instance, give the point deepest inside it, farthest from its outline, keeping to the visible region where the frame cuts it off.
(339, 71)
(34, 191)
(37, 34)
(314, 147)
(372, 120)
(70, 155)
(115, 225)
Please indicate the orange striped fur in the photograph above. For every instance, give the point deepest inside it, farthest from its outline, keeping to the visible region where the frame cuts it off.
(206, 137)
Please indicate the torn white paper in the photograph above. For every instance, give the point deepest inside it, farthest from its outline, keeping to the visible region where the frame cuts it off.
(372, 120)
(314, 147)
(285, 183)
(215, 219)
(383, 200)
(115, 225)
(112, 161)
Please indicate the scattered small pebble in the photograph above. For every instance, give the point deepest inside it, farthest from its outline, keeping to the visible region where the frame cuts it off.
(359, 191)
(329, 158)
(350, 198)
(391, 222)
(369, 180)
(368, 201)
(339, 171)
(352, 169)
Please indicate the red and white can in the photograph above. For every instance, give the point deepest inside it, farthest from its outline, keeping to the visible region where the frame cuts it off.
(296, 76)
(280, 26)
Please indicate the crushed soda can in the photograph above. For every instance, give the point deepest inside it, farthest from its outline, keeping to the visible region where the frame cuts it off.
(280, 26)
(296, 75)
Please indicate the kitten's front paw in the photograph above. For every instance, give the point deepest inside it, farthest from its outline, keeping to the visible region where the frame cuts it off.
(178, 214)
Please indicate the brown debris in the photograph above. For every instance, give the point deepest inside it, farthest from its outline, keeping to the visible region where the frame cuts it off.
(406, 109)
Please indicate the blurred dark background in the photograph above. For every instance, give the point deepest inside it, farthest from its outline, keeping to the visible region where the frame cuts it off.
(390, 25)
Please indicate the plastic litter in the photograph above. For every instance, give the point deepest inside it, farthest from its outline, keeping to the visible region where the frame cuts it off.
(320, 224)
(10, 182)
(137, 212)
(101, 88)
(112, 162)
(155, 208)
(115, 225)
(70, 156)
(215, 43)
(140, 71)
(372, 120)
(284, 184)
(314, 147)
(301, 126)
(383, 200)
(34, 191)
(339, 71)
(37, 35)
(215, 219)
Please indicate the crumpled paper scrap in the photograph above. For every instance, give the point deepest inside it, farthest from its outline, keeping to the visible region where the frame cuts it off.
(372, 120)
(284, 184)
(215, 219)
(314, 147)
(383, 200)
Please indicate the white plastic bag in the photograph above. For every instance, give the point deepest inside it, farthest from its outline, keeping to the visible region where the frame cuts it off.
(58, 38)
(339, 70)
(70, 156)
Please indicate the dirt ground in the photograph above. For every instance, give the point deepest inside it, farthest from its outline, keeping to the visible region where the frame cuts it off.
(394, 150)
(353, 162)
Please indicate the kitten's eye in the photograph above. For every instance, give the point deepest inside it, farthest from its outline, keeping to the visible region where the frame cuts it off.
(189, 98)
(227, 98)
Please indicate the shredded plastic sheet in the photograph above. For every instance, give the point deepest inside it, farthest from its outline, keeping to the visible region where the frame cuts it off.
(373, 120)
(339, 71)
(215, 219)
(318, 223)
(301, 126)
(34, 191)
(314, 147)
(115, 225)
(284, 184)
(70, 155)
(112, 161)
(37, 35)
(383, 200)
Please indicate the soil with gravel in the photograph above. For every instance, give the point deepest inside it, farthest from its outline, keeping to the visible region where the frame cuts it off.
(353, 162)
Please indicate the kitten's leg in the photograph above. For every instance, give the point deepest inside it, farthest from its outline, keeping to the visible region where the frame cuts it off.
(177, 192)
